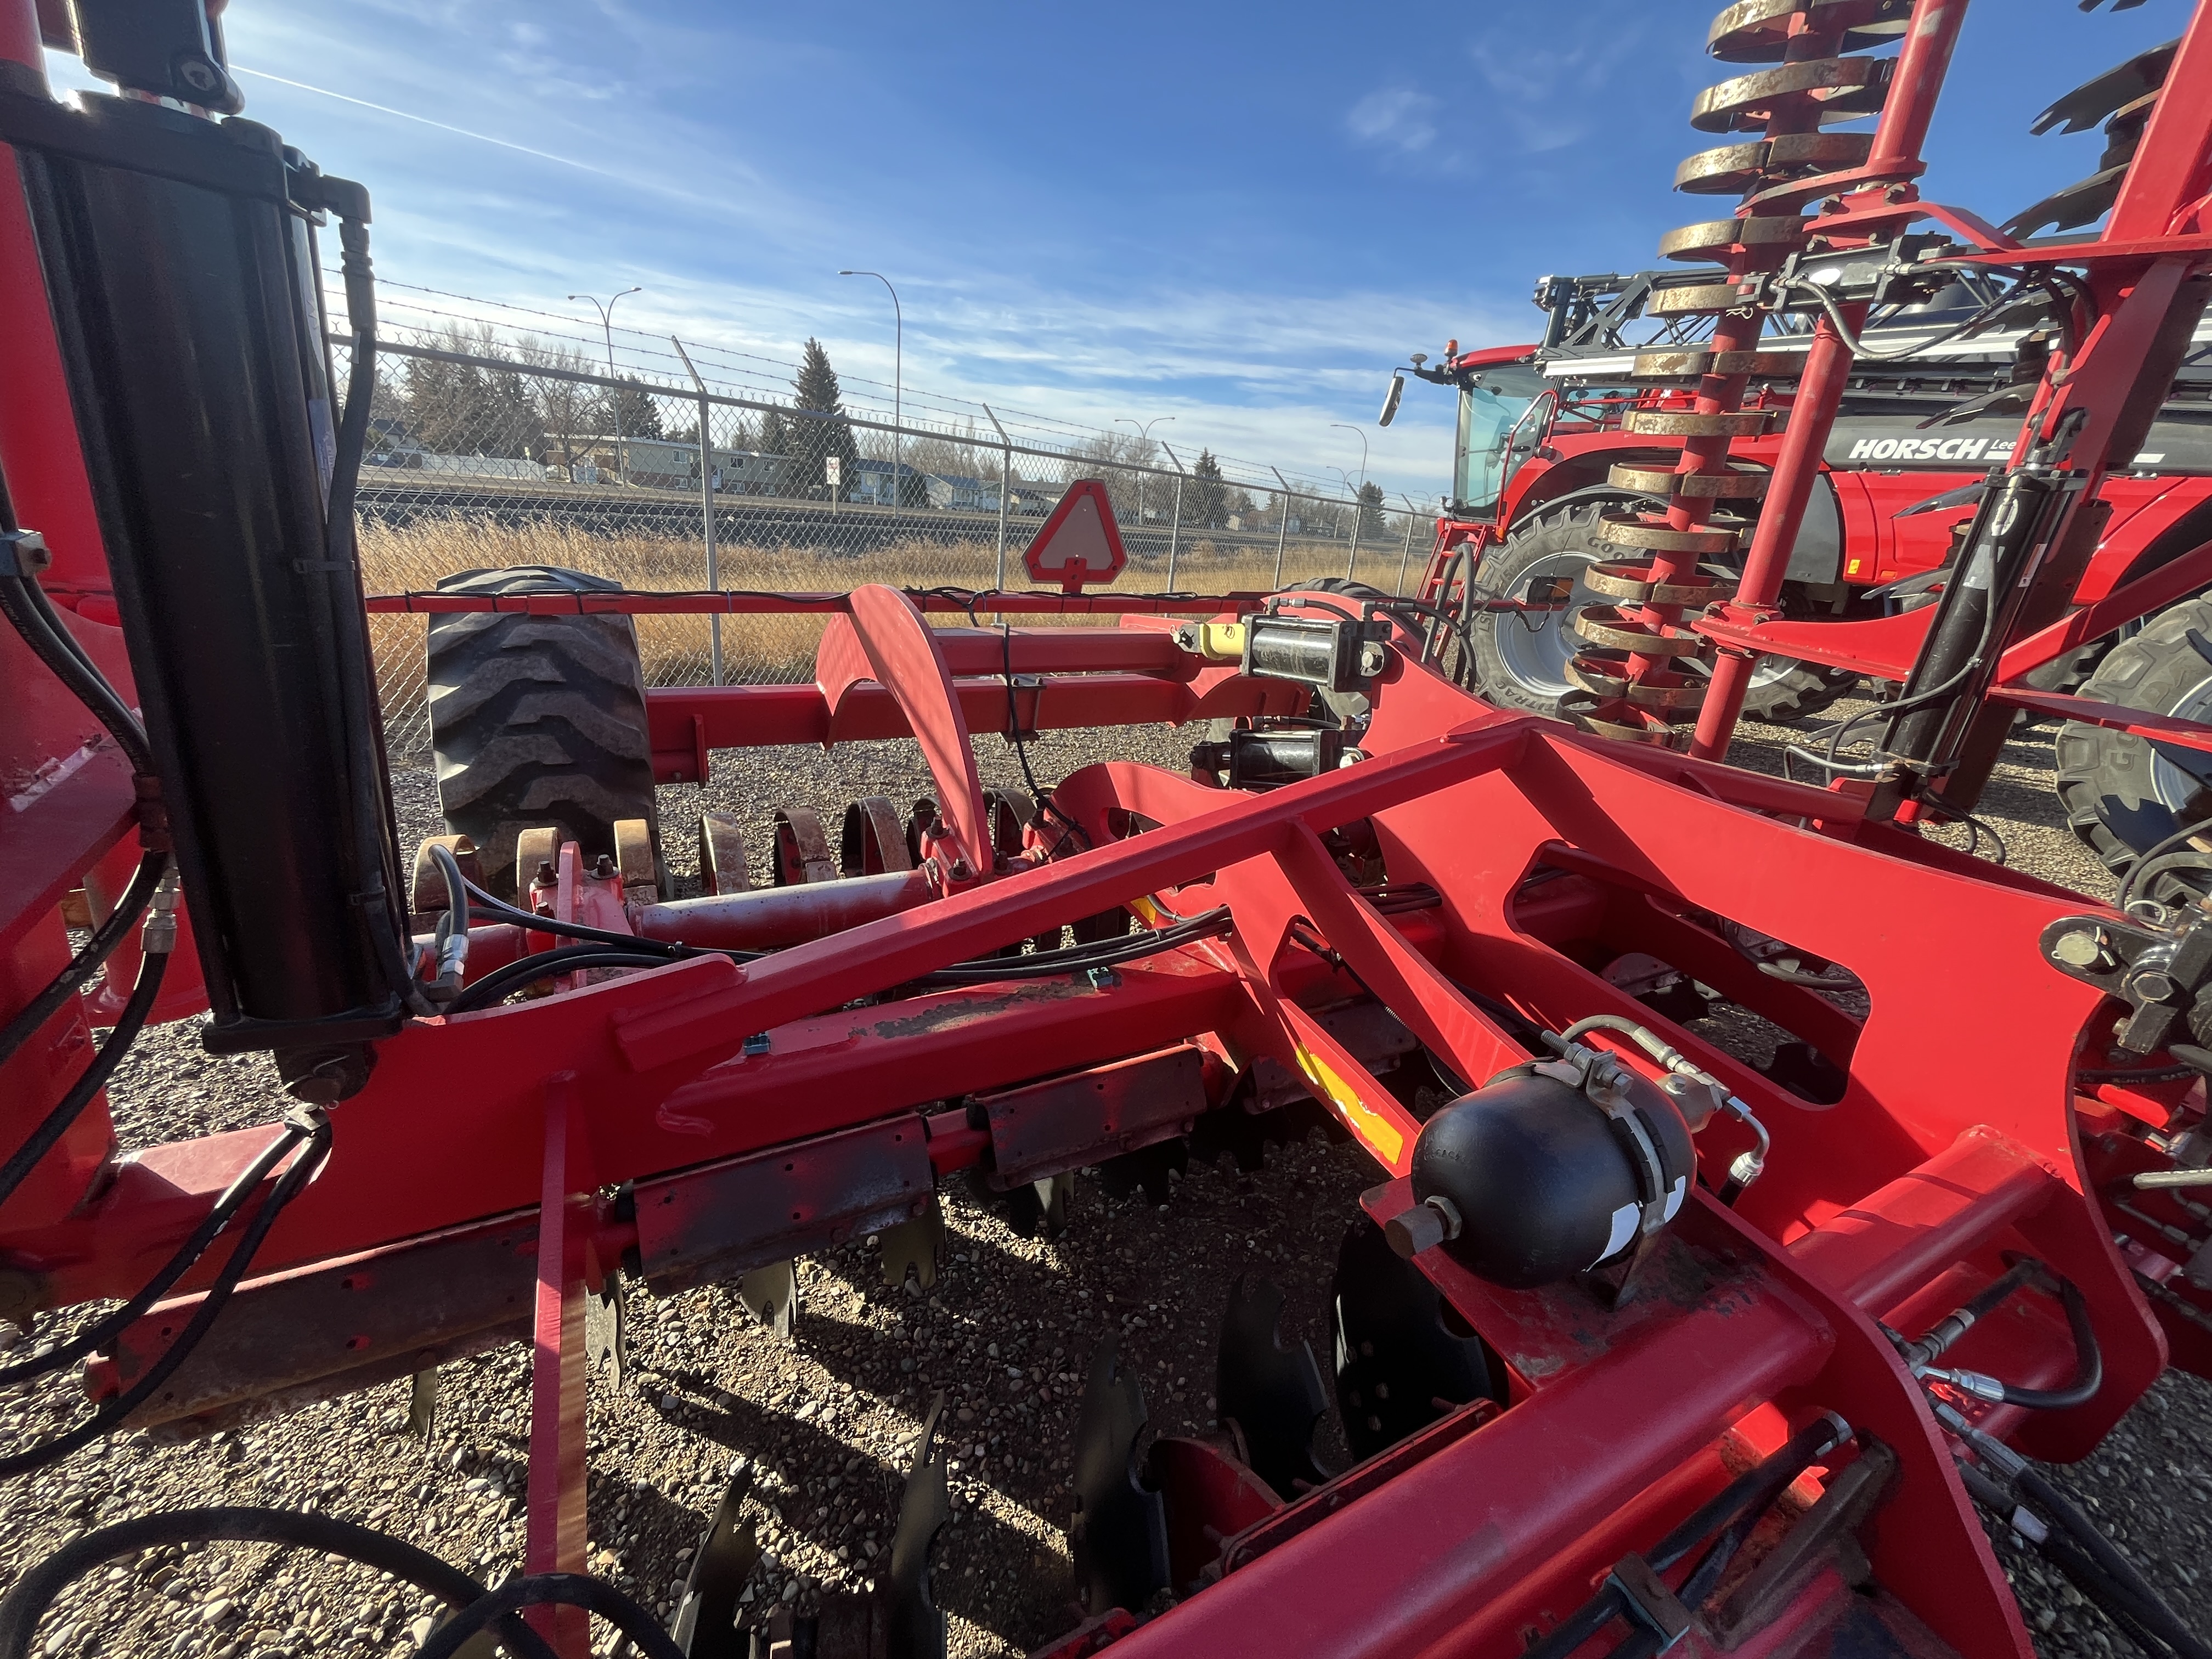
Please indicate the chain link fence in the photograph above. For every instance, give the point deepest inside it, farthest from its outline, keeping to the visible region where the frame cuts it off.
(493, 447)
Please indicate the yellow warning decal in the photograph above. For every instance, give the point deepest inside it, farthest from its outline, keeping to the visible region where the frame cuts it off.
(1147, 912)
(1377, 1133)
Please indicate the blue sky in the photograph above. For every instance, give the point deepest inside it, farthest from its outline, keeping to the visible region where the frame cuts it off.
(1239, 217)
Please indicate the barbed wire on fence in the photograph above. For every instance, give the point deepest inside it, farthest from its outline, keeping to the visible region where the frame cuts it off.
(526, 451)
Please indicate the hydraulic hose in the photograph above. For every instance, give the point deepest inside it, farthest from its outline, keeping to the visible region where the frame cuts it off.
(2076, 1546)
(92, 1079)
(152, 866)
(311, 1125)
(573, 1589)
(36, 1592)
(2088, 1356)
(1726, 1519)
(24, 605)
(505, 980)
(103, 1330)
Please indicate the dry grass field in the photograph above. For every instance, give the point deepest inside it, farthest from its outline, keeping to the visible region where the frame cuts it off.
(754, 649)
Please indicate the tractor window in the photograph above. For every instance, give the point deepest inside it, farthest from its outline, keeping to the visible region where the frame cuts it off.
(1488, 411)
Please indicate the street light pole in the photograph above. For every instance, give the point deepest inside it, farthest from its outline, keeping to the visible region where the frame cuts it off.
(898, 356)
(1340, 426)
(607, 329)
(1144, 436)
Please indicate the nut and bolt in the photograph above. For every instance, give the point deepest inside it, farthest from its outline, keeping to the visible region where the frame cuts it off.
(605, 869)
(546, 876)
(2084, 948)
(1435, 1220)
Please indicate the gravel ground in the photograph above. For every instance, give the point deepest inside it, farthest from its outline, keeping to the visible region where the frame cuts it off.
(828, 1419)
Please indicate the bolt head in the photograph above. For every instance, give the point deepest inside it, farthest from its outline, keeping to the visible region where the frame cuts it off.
(2083, 947)
(199, 74)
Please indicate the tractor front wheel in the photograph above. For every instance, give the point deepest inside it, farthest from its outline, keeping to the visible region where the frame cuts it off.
(1521, 657)
(2124, 793)
(537, 721)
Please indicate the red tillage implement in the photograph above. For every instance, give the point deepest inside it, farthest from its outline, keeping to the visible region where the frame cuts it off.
(1640, 1347)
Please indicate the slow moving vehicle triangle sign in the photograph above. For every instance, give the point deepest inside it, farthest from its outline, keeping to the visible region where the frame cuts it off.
(1079, 543)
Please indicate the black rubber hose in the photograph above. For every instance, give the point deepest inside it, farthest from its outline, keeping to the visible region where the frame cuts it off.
(98, 1333)
(2136, 1618)
(92, 1079)
(212, 1306)
(2155, 1615)
(1584, 1622)
(2088, 1356)
(152, 866)
(20, 600)
(504, 982)
(501, 910)
(37, 1590)
(1732, 1513)
(573, 1589)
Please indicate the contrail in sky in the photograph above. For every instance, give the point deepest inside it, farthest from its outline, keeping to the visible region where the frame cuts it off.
(442, 126)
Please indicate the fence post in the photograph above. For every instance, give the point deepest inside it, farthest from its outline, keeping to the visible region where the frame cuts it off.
(1282, 523)
(1359, 518)
(706, 515)
(1399, 587)
(1175, 523)
(1006, 491)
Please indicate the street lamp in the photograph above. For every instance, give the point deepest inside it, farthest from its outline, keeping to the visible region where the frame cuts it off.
(607, 329)
(898, 354)
(1361, 497)
(1144, 437)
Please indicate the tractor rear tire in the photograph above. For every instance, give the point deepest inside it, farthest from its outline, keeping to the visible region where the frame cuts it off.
(2122, 793)
(1527, 670)
(537, 720)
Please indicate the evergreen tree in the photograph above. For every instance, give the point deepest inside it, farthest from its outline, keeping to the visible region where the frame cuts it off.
(640, 410)
(467, 408)
(1205, 501)
(813, 441)
(775, 439)
(1371, 511)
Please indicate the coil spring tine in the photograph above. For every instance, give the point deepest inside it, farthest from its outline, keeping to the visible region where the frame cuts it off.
(1645, 679)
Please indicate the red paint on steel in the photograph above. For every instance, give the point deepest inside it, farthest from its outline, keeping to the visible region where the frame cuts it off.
(883, 637)
(1438, 1553)
(986, 601)
(556, 1519)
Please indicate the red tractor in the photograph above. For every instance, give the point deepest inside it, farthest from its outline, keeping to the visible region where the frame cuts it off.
(1542, 454)
(1643, 1341)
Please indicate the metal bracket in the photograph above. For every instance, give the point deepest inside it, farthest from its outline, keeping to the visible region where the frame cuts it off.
(606, 1329)
(423, 1405)
(706, 1626)
(915, 1245)
(771, 1294)
(1646, 1601)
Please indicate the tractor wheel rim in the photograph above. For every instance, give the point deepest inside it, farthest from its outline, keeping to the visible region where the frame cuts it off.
(1535, 647)
(2172, 779)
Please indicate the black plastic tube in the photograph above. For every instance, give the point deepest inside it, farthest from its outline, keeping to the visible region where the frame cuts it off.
(35, 1593)
(92, 1079)
(23, 602)
(2088, 1356)
(100, 1331)
(573, 1589)
(212, 1306)
(505, 980)
(86, 962)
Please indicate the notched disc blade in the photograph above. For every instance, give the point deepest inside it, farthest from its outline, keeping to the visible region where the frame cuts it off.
(1119, 1535)
(1272, 1394)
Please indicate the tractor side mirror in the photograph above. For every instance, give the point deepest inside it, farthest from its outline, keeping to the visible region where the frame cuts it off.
(1390, 399)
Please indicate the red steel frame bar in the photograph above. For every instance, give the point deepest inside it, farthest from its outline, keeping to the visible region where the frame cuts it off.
(1895, 159)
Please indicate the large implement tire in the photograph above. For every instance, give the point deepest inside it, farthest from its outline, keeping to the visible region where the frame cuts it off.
(537, 721)
(2122, 793)
(1521, 657)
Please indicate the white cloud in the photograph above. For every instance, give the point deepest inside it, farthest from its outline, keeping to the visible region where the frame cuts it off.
(1395, 117)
